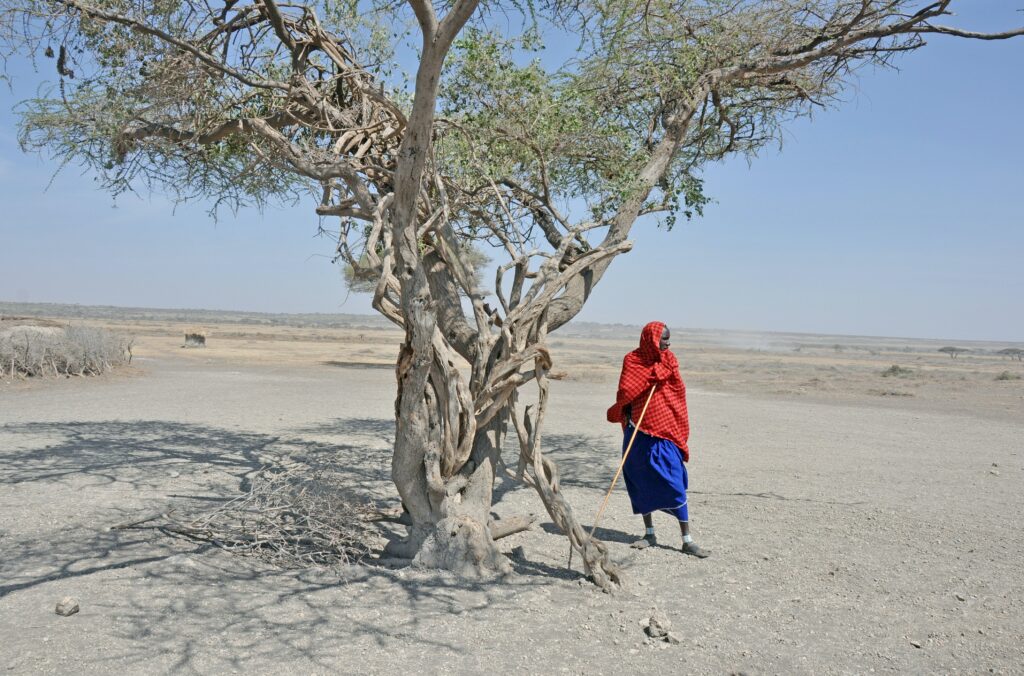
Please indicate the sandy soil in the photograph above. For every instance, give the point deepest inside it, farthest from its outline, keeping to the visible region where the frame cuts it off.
(858, 523)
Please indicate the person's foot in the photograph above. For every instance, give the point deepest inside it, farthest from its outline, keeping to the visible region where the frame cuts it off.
(693, 549)
(645, 542)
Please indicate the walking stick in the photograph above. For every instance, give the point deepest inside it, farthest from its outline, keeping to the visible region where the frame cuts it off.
(629, 447)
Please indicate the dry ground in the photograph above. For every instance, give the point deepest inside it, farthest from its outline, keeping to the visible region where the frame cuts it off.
(858, 523)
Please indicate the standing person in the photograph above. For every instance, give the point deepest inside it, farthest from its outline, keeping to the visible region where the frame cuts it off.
(655, 470)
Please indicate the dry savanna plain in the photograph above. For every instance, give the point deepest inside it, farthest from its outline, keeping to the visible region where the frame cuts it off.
(862, 519)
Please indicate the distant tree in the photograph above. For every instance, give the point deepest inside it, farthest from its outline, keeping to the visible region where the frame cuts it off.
(1013, 353)
(547, 166)
(953, 351)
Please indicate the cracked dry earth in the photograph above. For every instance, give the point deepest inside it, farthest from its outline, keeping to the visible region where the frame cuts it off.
(851, 536)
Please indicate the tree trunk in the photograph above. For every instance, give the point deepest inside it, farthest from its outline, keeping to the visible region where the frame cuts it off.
(449, 433)
(443, 467)
(448, 495)
(452, 532)
(444, 464)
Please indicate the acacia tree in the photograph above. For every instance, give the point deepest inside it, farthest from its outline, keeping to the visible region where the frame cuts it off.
(548, 165)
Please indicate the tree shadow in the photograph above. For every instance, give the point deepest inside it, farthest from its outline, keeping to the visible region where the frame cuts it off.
(136, 451)
(586, 461)
(379, 428)
(605, 534)
(358, 364)
(539, 569)
(198, 607)
(187, 469)
(189, 606)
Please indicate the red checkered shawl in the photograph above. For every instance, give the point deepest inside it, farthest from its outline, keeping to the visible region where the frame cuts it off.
(647, 365)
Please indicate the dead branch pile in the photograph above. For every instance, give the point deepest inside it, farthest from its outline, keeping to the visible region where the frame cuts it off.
(290, 518)
(36, 351)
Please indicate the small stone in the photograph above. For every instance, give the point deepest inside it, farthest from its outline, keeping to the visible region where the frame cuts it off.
(672, 638)
(959, 597)
(995, 464)
(916, 644)
(174, 474)
(994, 472)
(658, 625)
(67, 606)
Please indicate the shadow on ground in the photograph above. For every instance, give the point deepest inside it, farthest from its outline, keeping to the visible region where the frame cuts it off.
(189, 600)
(89, 476)
(313, 617)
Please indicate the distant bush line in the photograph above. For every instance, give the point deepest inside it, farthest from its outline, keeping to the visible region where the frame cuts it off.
(40, 351)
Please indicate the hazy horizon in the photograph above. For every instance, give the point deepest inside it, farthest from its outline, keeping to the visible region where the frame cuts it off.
(578, 321)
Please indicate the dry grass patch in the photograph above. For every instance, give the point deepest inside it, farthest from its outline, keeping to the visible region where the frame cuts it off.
(39, 348)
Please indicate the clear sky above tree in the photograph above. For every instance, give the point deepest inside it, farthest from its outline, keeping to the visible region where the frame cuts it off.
(920, 192)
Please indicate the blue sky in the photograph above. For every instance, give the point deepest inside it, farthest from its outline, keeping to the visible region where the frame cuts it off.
(899, 214)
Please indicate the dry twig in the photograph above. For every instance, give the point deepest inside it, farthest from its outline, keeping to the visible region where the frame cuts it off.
(291, 518)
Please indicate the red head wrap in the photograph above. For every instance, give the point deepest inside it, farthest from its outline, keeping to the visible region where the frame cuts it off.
(648, 366)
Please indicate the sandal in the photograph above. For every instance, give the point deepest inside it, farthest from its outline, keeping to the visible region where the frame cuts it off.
(693, 549)
(645, 542)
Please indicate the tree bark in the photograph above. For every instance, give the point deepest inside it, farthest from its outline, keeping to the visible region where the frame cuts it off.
(442, 466)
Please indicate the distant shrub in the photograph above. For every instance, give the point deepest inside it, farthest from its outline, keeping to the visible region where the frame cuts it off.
(37, 351)
(953, 351)
(195, 338)
(896, 371)
(1006, 375)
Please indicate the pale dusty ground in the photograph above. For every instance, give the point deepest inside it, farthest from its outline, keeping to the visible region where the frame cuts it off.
(848, 516)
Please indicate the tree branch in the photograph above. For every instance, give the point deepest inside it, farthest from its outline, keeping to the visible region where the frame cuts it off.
(171, 40)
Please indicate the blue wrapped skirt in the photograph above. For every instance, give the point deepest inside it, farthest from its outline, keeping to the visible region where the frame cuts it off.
(655, 475)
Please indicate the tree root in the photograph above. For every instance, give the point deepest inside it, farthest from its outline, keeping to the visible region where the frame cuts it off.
(464, 546)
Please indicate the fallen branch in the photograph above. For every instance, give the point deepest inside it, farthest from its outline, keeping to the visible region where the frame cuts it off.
(140, 521)
(291, 518)
(501, 528)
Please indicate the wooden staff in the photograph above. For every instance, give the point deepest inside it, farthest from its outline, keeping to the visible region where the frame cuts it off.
(629, 447)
